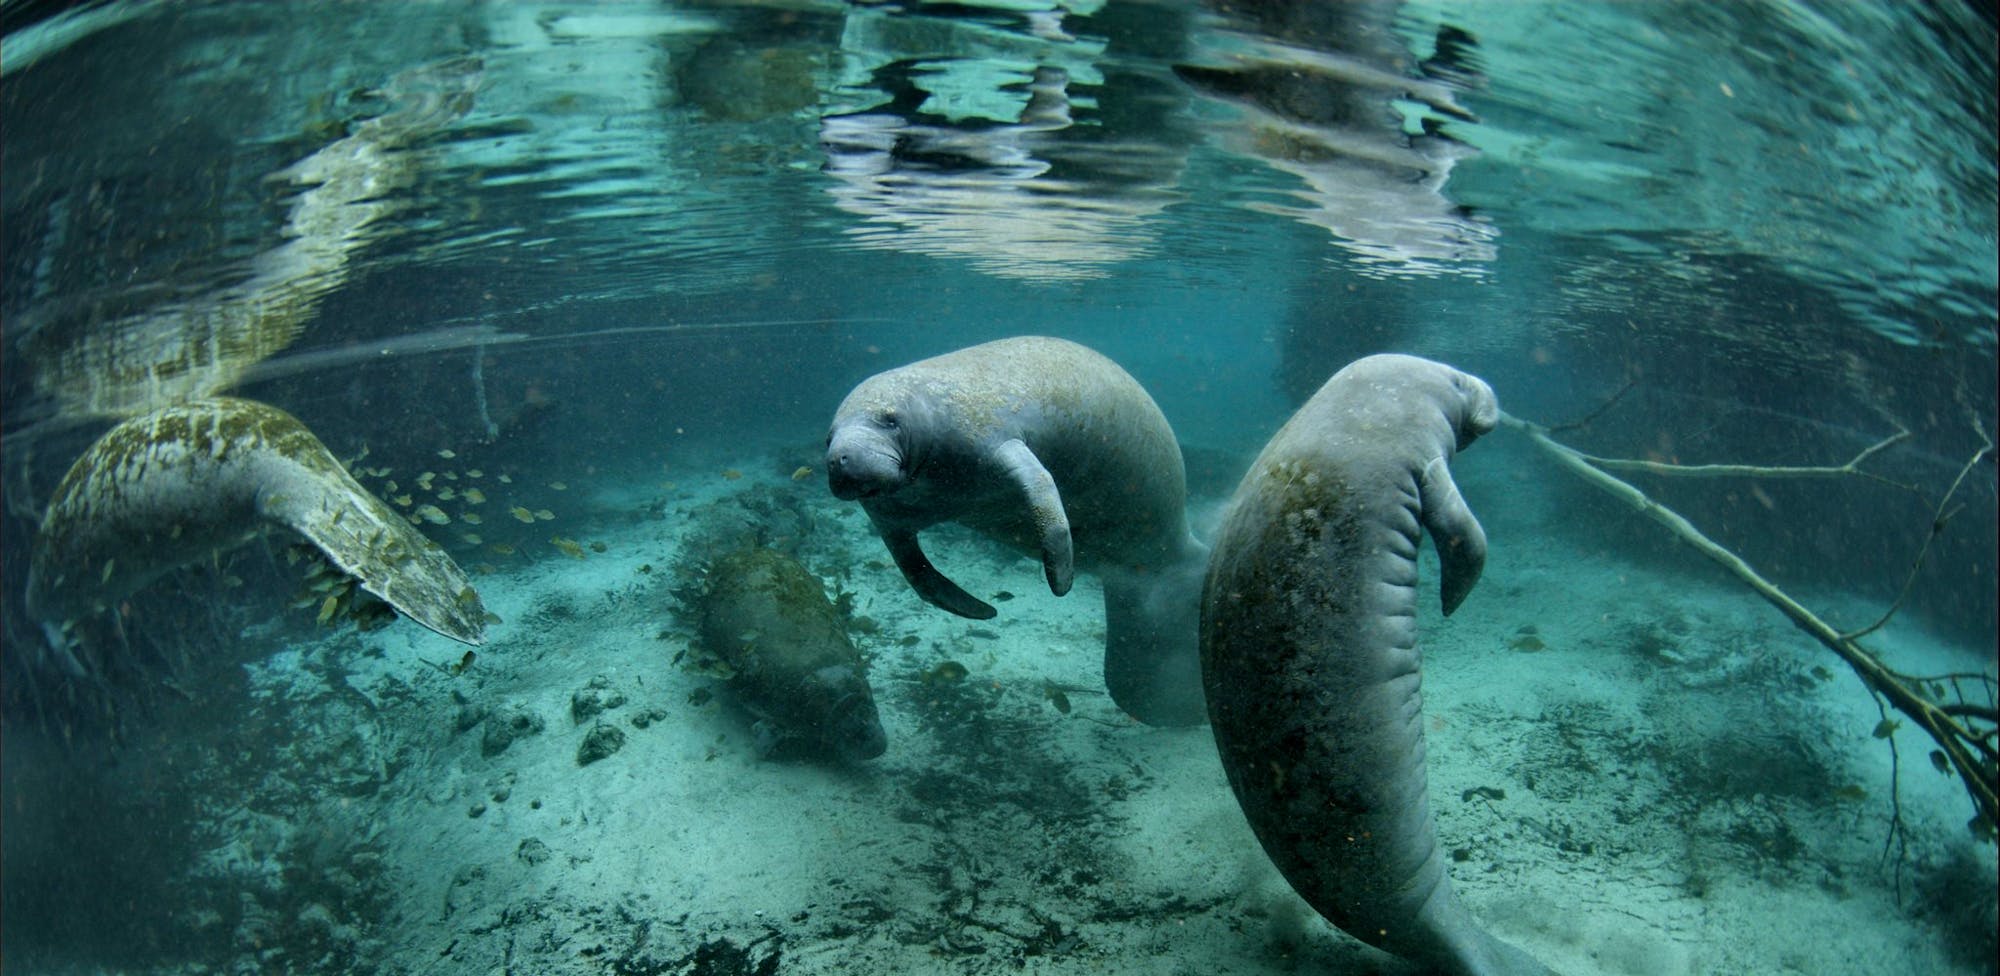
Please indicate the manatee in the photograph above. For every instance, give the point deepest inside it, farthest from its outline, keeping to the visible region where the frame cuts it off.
(1309, 652)
(169, 488)
(1046, 446)
(766, 619)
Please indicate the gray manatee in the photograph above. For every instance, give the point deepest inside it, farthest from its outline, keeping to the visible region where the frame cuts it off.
(1049, 447)
(167, 489)
(767, 619)
(1310, 659)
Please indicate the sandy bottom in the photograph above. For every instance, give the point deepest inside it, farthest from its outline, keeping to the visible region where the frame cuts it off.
(1634, 774)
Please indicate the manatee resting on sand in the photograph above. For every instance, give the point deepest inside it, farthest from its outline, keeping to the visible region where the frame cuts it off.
(1309, 652)
(1051, 448)
(767, 620)
(167, 489)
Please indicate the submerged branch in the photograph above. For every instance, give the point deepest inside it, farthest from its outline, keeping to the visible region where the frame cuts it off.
(1669, 469)
(1954, 738)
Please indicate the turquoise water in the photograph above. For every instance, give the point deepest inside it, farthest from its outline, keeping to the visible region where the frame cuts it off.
(642, 251)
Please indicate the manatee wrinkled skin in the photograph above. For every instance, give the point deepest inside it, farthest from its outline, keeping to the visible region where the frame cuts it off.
(1046, 446)
(1310, 658)
(169, 488)
(767, 618)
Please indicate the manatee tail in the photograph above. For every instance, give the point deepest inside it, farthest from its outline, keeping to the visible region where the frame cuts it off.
(373, 543)
(1152, 640)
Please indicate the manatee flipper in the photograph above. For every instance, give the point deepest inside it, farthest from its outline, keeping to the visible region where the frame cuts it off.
(1046, 508)
(374, 544)
(1460, 542)
(933, 586)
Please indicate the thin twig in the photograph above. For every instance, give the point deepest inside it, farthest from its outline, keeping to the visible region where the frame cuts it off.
(1599, 412)
(1851, 469)
(1938, 520)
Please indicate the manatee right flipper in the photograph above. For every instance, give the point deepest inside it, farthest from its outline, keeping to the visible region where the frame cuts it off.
(937, 589)
(1045, 509)
(1460, 542)
(169, 488)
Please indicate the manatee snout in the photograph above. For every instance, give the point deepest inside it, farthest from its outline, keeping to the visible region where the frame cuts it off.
(862, 463)
(853, 726)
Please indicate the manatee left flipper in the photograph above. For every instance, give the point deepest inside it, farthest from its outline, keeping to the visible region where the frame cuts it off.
(1045, 507)
(936, 588)
(373, 543)
(1460, 542)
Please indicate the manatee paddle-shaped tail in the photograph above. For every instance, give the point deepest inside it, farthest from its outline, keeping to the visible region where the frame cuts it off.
(1310, 660)
(169, 488)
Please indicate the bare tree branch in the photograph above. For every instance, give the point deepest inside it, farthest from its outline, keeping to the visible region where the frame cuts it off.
(1954, 738)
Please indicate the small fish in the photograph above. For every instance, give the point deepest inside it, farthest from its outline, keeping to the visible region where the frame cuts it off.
(493, 618)
(472, 539)
(731, 473)
(403, 500)
(231, 582)
(446, 494)
(568, 546)
(1886, 728)
(424, 480)
(474, 473)
(506, 480)
(390, 487)
(502, 548)
(105, 577)
(432, 514)
(1939, 760)
(450, 476)
(559, 486)
(1850, 793)
(471, 518)
(1527, 642)
(327, 608)
(545, 515)
(1001, 597)
(463, 663)
(522, 514)
(1054, 693)
(485, 569)
(467, 596)
(599, 547)
(801, 473)
(474, 496)
(447, 454)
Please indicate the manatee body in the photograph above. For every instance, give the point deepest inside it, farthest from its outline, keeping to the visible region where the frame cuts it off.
(169, 488)
(767, 618)
(1310, 659)
(1051, 448)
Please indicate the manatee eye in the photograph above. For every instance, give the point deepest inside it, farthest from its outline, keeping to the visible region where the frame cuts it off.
(889, 419)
